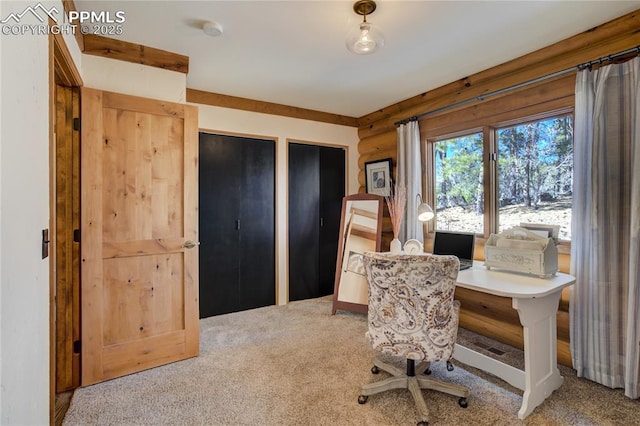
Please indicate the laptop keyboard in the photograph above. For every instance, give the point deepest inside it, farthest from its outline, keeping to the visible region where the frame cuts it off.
(465, 265)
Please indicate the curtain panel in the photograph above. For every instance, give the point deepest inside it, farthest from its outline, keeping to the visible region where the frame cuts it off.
(605, 249)
(409, 175)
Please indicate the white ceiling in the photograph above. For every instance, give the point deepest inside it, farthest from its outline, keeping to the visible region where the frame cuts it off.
(293, 52)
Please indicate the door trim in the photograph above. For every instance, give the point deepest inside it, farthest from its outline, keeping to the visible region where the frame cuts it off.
(63, 69)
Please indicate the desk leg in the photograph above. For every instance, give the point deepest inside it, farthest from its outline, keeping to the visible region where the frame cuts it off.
(538, 317)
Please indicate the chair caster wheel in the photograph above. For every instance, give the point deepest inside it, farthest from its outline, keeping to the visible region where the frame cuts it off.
(463, 402)
(427, 372)
(449, 366)
(362, 399)
(423, 423)
(375, 370)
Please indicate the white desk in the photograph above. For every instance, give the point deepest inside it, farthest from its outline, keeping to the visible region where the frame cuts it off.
(536, 300)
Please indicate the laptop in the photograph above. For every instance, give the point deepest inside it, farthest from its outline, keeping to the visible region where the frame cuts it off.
(459, 244)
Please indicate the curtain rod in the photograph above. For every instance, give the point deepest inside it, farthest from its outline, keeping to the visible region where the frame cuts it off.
(580, 67)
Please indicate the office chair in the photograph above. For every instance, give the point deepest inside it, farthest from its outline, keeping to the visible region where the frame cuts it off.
(412, 315)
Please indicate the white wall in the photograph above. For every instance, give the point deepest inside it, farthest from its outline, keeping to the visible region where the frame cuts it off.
(24, 213)
(283, 129)
(141, 80)
(133, 79)
(24, 194)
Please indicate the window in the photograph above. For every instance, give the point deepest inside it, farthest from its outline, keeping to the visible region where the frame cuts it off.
(535, 174)
(531, 181)
(459, 184)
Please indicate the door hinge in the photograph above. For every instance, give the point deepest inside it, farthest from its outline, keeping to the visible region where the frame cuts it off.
(77, 347)
(76, 124)
(493, 156)
(45, 243)
(76, 235)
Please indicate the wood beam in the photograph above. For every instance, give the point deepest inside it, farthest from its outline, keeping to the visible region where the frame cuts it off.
(136, 53)
(69, 6)
(226, 101)
(611, 37)
(92, 44)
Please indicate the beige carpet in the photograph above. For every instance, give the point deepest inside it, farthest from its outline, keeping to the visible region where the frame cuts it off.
(299, 365)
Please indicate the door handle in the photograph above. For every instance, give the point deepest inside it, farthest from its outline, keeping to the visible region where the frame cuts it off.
(191, 244)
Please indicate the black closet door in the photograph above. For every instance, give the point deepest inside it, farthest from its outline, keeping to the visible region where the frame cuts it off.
(219, 203)
(332, 190)
(237, 223)
(316, 189)
(257, 225)
(304, 220)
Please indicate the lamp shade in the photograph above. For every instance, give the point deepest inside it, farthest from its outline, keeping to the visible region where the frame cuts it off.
(425, 212)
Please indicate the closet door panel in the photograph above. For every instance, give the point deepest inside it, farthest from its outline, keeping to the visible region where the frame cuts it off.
(332, 190)
(304, 220)
(220, 194)
(257, 224)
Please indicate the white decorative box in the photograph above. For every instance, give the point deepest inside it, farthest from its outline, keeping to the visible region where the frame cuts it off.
(520, 250)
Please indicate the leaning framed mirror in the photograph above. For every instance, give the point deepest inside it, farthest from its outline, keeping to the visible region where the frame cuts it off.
(360, 231)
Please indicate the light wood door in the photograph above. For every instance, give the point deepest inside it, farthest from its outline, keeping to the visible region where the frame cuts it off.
(139, 170)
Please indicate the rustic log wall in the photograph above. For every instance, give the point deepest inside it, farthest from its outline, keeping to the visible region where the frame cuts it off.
(489, 315)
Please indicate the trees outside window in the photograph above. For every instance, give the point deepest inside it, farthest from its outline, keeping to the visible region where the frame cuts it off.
(535, 174)
(459, 184)
(533, 178)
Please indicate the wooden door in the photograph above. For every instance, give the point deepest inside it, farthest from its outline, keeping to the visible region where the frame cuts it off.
(67, 247)
(139, 269)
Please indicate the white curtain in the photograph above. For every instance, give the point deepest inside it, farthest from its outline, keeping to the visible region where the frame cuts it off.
(605, 247)
(409, 175)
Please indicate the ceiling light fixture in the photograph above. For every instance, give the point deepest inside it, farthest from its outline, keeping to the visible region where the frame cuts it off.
(212, 28)
(365, 38)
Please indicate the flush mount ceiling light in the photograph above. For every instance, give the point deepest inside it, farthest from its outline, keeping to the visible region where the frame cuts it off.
(212, 28)
(365, 38)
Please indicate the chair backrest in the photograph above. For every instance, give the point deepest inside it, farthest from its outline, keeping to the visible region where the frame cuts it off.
(412, 312)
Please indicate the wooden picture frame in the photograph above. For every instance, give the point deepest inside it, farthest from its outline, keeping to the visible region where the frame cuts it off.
(378, 176)
(360, 231)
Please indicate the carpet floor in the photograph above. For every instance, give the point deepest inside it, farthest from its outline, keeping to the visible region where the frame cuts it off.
(298, 364)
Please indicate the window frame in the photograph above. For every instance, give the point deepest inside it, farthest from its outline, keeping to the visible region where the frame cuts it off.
(430, 163)
(490, 165)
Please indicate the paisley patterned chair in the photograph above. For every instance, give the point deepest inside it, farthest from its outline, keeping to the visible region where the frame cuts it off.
(412, 315)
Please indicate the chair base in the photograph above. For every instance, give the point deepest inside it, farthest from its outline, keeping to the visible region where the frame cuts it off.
(415, 384)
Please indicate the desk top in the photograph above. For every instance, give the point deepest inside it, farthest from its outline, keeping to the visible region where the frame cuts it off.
(511, 284)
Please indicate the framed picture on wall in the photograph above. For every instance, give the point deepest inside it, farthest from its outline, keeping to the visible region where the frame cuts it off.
(378, 176)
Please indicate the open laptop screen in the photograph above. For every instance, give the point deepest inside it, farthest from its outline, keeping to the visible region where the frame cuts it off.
(459, 244)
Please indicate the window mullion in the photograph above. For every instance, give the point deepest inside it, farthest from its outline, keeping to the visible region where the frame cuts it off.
(491, 181)
(429, 181)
